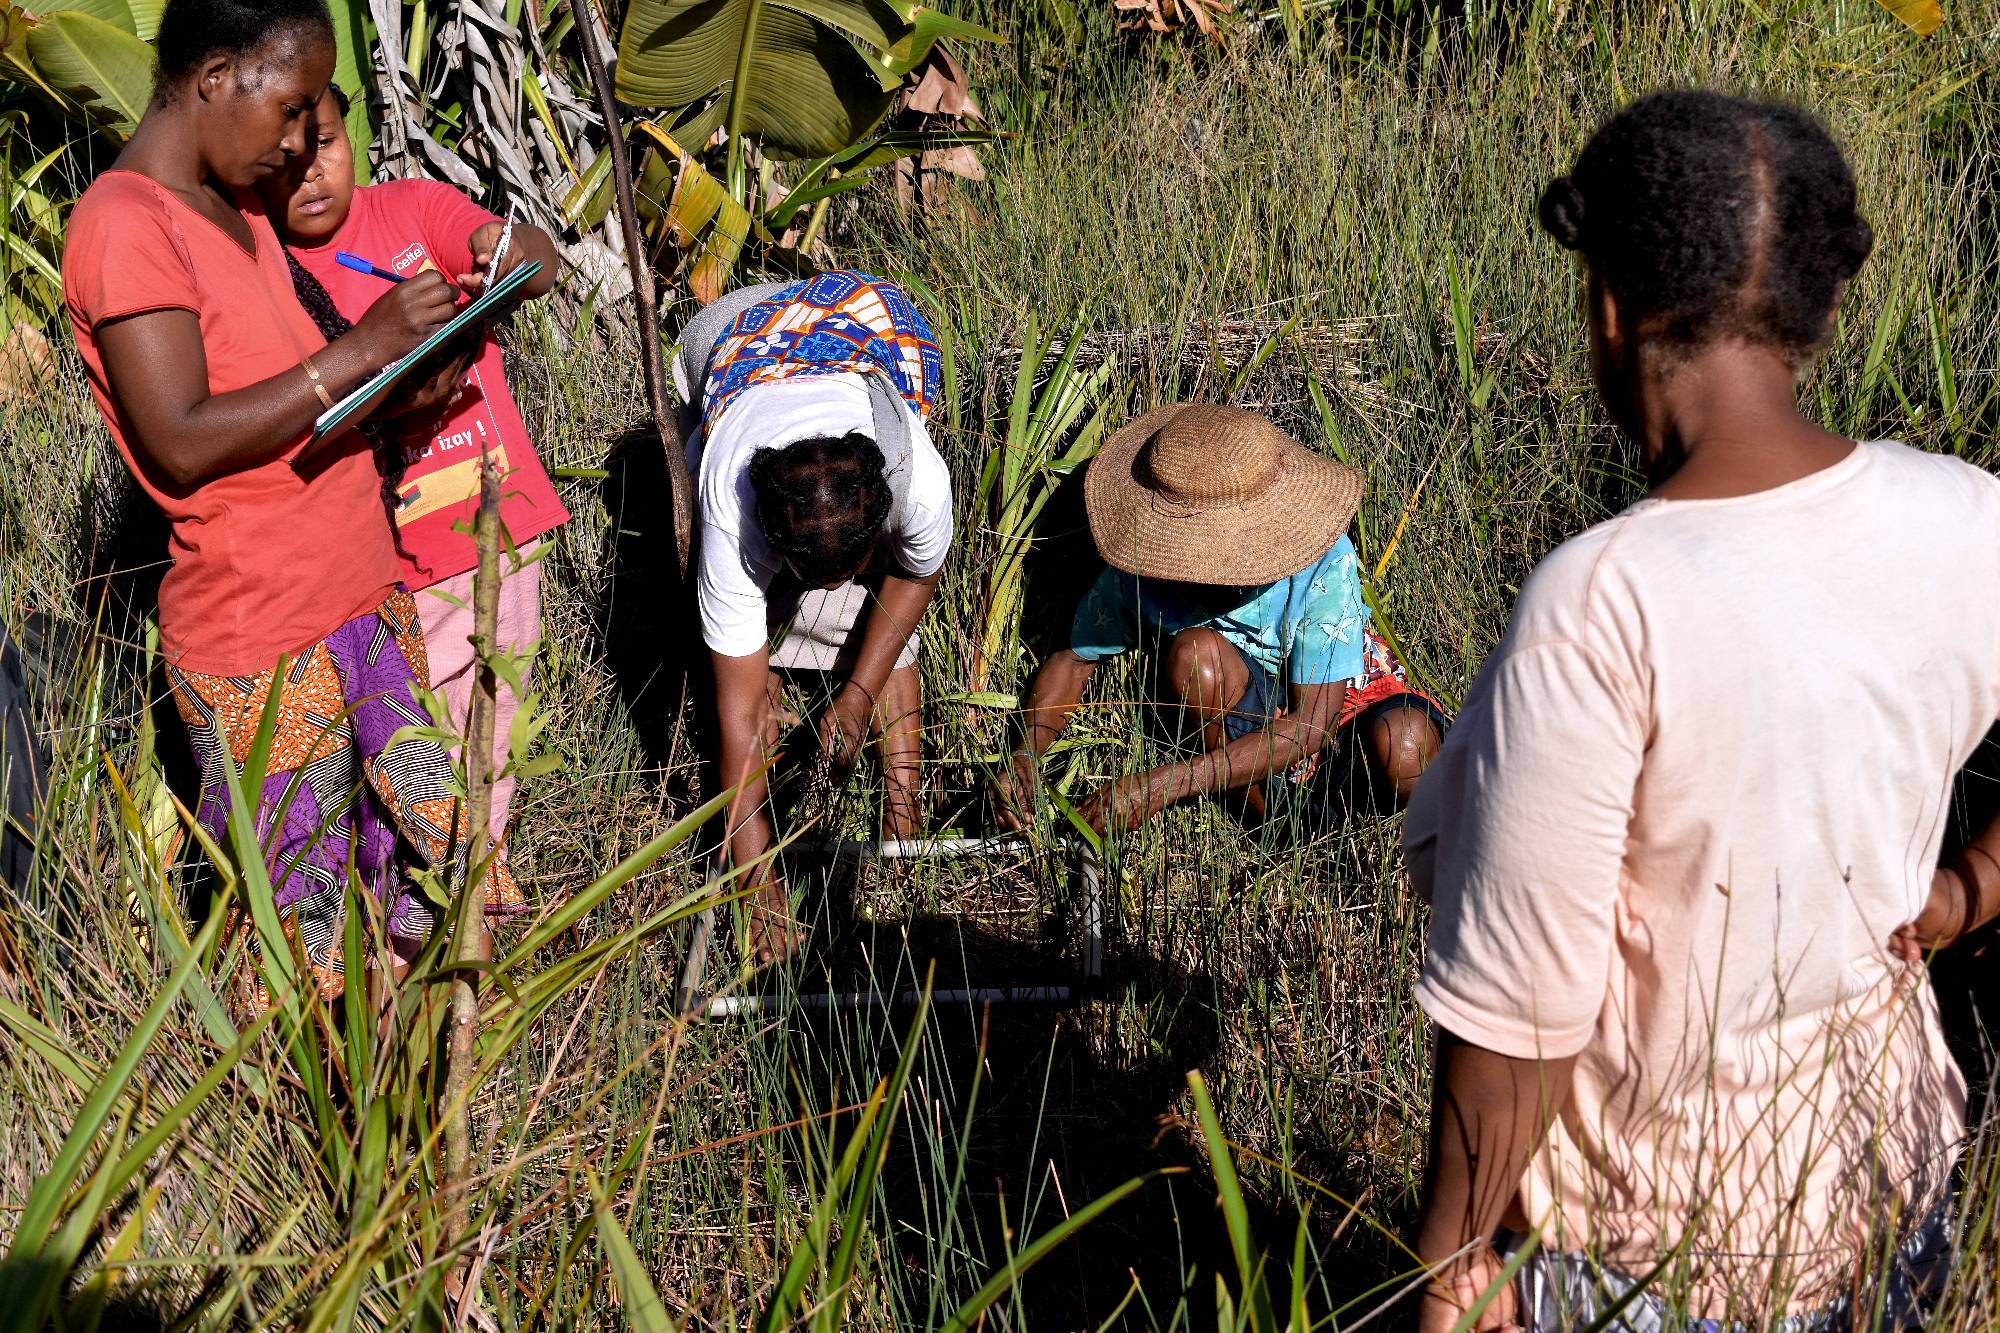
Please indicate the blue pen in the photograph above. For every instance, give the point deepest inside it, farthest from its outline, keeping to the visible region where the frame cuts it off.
(360, 265)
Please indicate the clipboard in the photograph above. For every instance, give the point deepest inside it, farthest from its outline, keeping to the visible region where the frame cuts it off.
(374, 390)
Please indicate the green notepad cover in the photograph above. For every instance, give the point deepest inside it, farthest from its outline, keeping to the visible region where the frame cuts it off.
(481, 309)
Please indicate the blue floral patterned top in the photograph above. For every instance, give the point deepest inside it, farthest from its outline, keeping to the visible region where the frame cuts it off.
(1307, 629)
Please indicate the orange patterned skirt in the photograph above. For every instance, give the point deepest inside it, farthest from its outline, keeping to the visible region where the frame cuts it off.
(344, 798)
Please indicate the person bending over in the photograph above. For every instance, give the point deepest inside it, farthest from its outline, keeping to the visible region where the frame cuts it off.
(1225, 544)
(824, 516)
(430, 462)
(1684, 836)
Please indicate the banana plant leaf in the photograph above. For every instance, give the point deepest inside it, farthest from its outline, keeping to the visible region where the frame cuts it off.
(805, 78)
(698, 216)
(142, 20)
(99, 66)
(854, 163)
(15, 62)
(352, 66)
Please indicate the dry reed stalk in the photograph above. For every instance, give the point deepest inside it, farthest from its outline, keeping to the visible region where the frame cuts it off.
(468, 942)
(664, 420)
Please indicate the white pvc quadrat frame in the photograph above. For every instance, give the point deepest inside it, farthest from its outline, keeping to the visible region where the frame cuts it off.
(691, 1002)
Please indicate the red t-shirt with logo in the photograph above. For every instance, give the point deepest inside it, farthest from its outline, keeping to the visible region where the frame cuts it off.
(409, 226)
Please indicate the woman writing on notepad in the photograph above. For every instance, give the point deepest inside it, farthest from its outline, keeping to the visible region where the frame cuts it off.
(210, 377)
(345, 247)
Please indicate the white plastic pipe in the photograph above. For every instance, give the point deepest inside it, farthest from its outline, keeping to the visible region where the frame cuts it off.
(743, 1006)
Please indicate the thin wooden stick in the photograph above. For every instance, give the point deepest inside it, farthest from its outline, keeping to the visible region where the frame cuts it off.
(642, 287)
(469, 940)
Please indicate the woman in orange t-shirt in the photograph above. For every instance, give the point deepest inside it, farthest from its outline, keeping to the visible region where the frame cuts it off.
(209, 376)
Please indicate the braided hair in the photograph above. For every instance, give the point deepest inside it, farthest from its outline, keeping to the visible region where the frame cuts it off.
(313, 296)
(821, 503)
(1711, 217)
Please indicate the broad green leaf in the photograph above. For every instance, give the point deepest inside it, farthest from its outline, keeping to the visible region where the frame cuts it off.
(15, 62)
(352, 65)
(927, 29)
(115, 12)
(104, 69)
(146, 16)
(815, 75)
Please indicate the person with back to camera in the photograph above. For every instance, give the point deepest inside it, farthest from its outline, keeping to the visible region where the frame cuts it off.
(210, 376)
(825, 514)
(1683, 841)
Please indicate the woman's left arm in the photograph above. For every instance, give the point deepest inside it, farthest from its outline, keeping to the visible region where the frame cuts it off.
(898, 607)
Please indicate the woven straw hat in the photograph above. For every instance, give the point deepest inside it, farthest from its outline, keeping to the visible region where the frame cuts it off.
(1202, 494)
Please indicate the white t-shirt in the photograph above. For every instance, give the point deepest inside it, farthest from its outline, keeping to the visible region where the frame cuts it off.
(1698, 785)
(736, 565)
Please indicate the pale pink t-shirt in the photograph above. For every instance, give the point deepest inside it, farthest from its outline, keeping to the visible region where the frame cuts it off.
(1699, 784)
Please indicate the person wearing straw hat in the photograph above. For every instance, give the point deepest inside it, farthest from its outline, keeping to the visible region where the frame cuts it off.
(1225, 543)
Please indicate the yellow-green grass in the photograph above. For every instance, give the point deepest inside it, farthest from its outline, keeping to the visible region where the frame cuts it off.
(1333, 226)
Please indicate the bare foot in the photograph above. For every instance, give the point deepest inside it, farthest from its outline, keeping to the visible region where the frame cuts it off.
(774, 935)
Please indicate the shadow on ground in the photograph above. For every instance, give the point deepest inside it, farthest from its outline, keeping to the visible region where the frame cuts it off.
(1069, 1106)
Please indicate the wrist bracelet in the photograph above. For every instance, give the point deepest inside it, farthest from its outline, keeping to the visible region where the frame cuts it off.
(312, 373)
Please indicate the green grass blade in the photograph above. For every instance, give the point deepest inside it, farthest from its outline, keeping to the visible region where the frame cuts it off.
(1235, 1212)
(968, 1316)
(45, 1198)
(638, 1299)
(553, 925)
(50, 1045)
(861, 1195)
(1501, 1281)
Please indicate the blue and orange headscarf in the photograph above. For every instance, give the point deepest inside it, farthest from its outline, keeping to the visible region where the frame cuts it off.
(835, 323)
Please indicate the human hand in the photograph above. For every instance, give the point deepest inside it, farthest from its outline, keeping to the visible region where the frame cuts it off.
(774, 934)
(485, 239)
(430, 398)
(1937, 924)
(1120, 806)
(1012, 790)
(1446, 1299)
(843, 728)
(406, 314)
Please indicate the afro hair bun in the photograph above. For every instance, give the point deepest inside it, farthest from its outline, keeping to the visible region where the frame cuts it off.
(1561, 212)
(1857, 242)
(1713, 217)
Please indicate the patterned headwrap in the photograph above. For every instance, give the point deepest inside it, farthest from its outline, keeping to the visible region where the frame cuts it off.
(834, 323)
